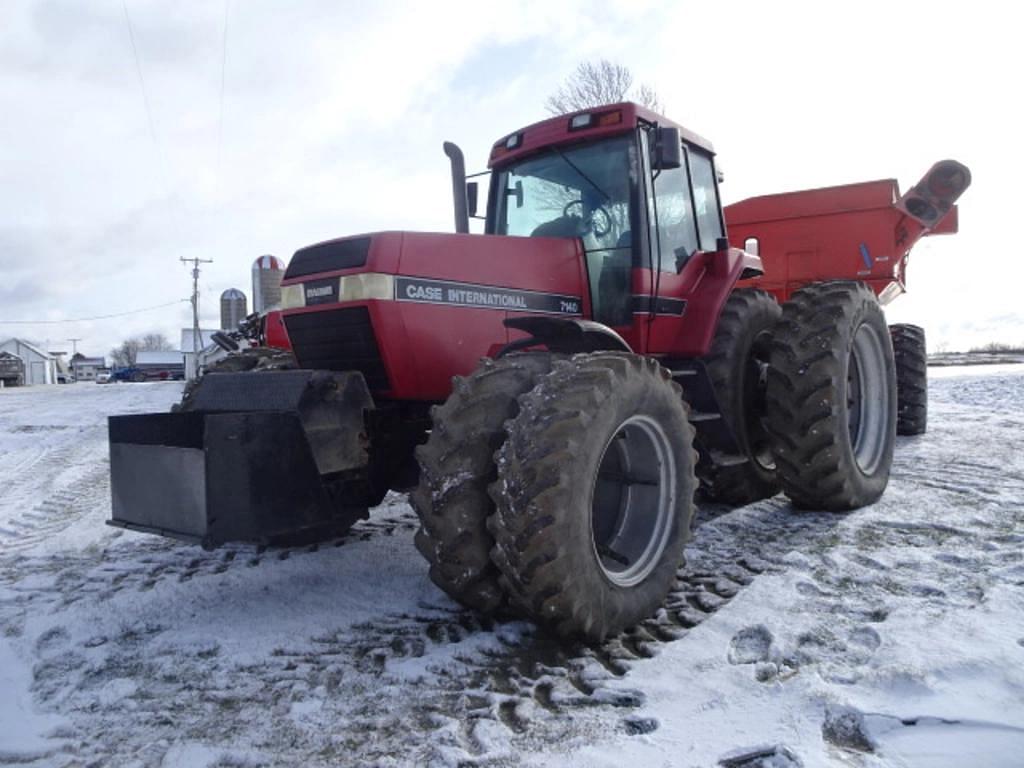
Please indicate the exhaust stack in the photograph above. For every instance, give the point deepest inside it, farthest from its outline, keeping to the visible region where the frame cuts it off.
(458, 162)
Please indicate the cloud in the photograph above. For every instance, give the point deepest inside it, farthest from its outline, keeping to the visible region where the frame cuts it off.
(334, 113)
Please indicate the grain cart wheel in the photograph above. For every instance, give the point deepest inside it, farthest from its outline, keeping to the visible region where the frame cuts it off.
(911, 354)
(457, 465)
(738, 366)
(831, 397)
(594, 494)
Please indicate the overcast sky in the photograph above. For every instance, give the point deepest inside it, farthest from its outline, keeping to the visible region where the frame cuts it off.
(333, 115)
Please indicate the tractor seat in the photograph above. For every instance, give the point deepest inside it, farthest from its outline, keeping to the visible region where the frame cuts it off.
(563, 226)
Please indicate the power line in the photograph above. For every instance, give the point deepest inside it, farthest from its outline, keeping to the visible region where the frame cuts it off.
(158, 156)
(138, 71)
(90, 319)
(223, 77)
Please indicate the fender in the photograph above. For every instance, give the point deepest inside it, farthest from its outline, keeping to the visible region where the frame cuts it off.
(752, 266)
(565, 335)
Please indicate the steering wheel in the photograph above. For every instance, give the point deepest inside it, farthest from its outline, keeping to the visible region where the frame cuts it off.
(591, 224)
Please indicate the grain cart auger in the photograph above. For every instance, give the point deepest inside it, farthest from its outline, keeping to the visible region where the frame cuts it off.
(622, 357)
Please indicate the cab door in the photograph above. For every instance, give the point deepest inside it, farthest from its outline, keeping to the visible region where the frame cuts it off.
(684, 224)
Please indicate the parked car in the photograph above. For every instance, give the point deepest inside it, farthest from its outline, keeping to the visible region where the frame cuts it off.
(136, 374)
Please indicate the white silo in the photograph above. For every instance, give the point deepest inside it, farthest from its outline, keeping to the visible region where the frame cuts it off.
(233, 309)
(267, 273)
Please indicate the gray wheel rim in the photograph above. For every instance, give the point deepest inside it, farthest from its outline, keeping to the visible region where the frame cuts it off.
(755, 385)
(632, 501)
(868, 399)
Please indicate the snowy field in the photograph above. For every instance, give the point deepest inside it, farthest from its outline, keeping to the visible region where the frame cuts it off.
(891, 636)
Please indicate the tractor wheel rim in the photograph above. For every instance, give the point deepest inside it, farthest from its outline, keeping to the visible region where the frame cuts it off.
(868, 399)
(755, 387)
(632, 501)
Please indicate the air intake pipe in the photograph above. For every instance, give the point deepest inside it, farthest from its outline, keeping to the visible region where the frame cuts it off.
(458, 162)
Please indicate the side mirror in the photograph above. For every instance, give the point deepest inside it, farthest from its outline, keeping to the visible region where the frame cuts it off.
(472, 191)
(668, 149)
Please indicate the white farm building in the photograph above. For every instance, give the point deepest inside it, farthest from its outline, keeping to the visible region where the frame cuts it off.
(40, 366)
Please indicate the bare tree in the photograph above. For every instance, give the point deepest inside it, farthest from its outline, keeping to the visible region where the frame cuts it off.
(154, 342)
(126, 354)
(594, 84)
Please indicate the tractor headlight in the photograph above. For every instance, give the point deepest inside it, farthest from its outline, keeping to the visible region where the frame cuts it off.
(368, 285)
(292, 296)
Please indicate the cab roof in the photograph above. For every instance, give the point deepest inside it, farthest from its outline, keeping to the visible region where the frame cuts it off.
(608, 120)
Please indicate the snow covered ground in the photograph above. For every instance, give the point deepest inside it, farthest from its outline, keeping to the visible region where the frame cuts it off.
(891, 636)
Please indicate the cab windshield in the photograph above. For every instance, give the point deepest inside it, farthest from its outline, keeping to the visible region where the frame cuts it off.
(577, 192)
(586, 192)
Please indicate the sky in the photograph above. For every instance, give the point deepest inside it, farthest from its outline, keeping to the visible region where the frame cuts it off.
(137, 133)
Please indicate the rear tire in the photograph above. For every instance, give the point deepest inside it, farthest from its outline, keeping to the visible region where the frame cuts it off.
(832, 397)
(594, 495)
(737, 365)
(456, 467)
(911, 353)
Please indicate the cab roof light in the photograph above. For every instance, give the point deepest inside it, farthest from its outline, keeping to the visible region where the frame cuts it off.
(579, 122)
(595, 119)
(508, 144)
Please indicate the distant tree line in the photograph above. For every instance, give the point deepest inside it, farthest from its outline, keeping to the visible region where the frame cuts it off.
(127, 353)
(998, 348)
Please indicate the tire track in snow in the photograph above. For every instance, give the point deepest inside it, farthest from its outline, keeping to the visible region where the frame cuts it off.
(73, 480)
(442, 685)
(481, 683)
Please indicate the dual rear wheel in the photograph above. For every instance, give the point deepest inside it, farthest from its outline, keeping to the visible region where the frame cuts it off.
(810, 393)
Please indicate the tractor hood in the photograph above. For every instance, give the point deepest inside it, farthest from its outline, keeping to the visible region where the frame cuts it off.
(412, 309)
(373, 261)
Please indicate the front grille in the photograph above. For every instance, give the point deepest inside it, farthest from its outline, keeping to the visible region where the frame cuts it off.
(327, 257)
(338, 340)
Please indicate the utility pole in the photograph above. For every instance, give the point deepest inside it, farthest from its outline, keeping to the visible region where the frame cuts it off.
(74, 345)
(195, 262)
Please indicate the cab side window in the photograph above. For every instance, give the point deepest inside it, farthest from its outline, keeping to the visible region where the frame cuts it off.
(671, 218)
(705, 198)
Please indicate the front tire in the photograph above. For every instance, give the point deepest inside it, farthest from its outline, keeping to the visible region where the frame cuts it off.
(594, 495)
(832, 397)
(911, 353)
(456, 467)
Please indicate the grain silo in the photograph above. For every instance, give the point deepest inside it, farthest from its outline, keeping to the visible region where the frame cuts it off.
(267, 273)
(233, 309)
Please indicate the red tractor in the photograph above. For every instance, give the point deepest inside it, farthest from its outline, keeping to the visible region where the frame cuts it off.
(627, 349)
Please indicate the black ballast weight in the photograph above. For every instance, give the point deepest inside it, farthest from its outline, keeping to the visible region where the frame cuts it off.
(250, 457)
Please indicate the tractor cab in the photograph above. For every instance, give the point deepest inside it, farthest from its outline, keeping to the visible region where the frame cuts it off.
(639, 193)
